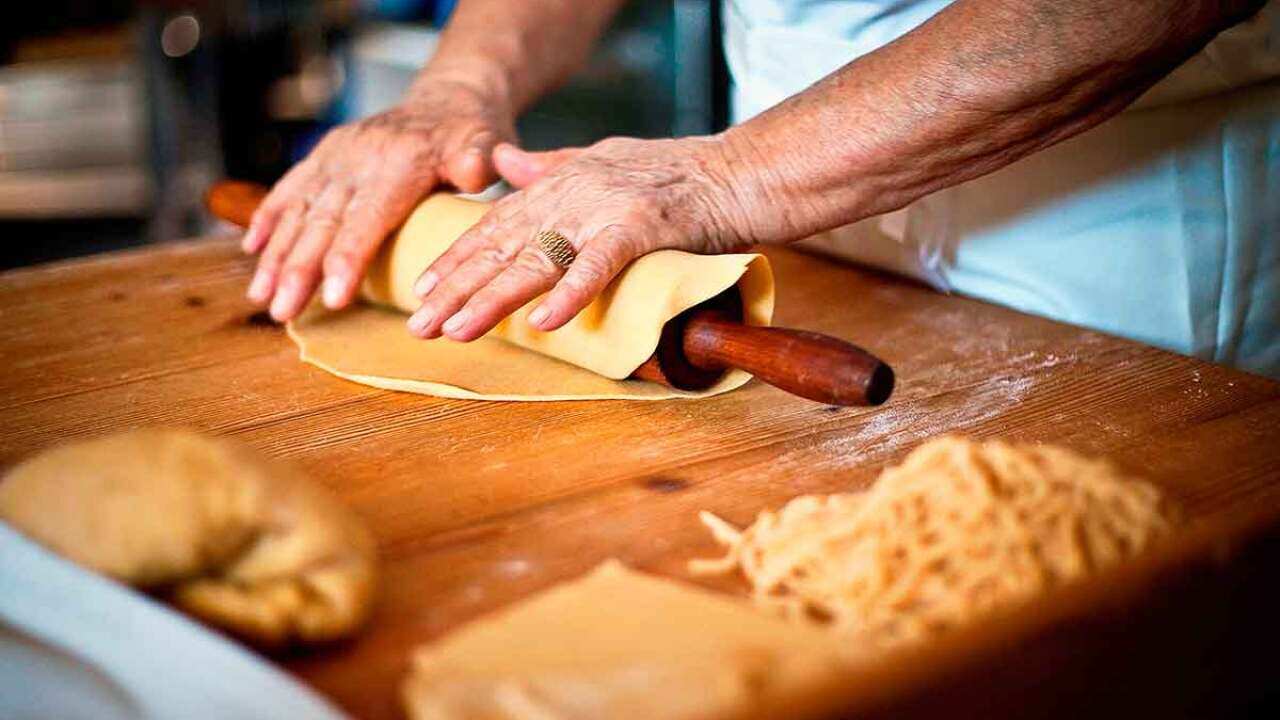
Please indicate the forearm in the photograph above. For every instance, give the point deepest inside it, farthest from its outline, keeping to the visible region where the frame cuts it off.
(982, 84)
(517, 50)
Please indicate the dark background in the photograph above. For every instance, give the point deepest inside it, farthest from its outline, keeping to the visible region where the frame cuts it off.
(116, 115)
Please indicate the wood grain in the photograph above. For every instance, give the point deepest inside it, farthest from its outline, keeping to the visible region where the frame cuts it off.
(476, 504)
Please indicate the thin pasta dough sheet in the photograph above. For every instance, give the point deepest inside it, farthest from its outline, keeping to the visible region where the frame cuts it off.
(589, 358)
(621, 644)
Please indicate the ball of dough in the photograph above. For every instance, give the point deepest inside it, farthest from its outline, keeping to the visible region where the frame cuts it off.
(241, 542)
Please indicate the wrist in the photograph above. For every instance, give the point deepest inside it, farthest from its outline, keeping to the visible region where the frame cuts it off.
(730, 209)
(762, 211)
(795, 184)
(485, 79)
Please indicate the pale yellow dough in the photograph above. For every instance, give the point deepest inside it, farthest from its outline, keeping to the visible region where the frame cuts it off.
(621, 644)
(239, 541)
(589, 358)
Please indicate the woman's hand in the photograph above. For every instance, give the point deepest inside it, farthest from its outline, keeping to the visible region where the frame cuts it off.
(330, 213)
(614, 201)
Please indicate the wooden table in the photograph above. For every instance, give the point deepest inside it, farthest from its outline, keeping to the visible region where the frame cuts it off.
(476, 504)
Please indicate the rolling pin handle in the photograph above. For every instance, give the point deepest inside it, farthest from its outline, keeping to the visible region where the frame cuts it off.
(235, 201)
(811, 365)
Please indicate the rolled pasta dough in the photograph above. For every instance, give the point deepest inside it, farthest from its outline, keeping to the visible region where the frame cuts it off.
(589, 358)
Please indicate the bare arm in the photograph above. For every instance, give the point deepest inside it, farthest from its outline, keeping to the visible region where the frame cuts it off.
(327, 217)
(983, 83)
(517, 50)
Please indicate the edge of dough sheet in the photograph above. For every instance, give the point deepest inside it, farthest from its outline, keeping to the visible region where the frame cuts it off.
(619, 643)
(754, 278)
(453, 392)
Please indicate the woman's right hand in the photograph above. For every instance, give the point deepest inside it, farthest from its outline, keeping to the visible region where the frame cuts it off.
(326, 218)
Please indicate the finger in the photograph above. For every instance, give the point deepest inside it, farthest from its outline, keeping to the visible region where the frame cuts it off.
(458, 286)
(528, 277)
(476, 237)
(372, 213)
(591, 272)
(469, 164)
(301, 271)
(259, 231)
(288, 190)
(522, 168)
(283, 235)
(301, 181)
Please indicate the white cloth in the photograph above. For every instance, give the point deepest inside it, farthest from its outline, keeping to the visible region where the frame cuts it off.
(75, 645)
(1162, 224)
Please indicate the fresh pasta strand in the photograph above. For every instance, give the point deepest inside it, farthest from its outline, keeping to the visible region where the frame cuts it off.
(957, 529)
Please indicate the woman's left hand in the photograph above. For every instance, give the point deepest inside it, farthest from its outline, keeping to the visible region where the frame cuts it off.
(614, 201)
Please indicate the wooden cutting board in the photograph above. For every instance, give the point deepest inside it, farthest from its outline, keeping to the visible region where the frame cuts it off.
(476, 504)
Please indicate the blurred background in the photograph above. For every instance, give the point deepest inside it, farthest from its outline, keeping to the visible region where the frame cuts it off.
(116, 115)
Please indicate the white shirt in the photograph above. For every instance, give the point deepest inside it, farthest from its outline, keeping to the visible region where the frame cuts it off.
(1162, 224)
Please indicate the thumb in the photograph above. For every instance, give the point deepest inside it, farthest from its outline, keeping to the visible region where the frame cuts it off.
(520, 167)
(469, 167)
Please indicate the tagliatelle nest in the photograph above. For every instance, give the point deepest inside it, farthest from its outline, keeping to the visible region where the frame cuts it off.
(957, 529)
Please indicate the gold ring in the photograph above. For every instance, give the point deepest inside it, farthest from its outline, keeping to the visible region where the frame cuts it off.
(556, 247)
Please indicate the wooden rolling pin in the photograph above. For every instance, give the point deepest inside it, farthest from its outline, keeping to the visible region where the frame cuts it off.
(700, 344)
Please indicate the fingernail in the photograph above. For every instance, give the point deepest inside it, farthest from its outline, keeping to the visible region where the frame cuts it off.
(455, 323)
(282, 304)
(334, 291)
(420, 321)
(249, 240)
(425, 284)
(260, 286)
(539, 316)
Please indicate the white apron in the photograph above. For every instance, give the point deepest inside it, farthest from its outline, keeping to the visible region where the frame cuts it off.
(1162, 224)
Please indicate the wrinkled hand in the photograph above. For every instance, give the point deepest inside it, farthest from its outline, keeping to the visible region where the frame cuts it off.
(329, 214)
(614, 201)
